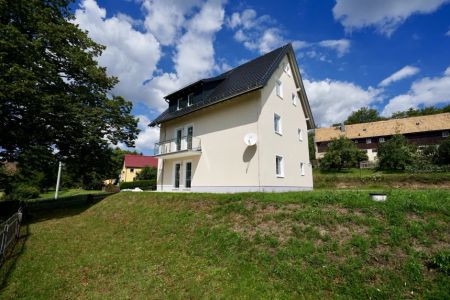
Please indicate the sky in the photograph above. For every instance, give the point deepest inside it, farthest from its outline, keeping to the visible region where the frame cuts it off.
(385, 54)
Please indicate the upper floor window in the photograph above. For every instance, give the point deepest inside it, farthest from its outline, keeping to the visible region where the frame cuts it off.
(294, 99)
(302, 169)
(381, 140)
(279, 166)
(179, 104)
(445, 133)
(369, 141)
(189, 99)
(300, 134)
(279, 89)
(287, 69)
(277, 124)
(131, 170)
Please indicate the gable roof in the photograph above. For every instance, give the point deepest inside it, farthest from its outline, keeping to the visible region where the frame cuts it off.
(245, 78)
(139, 161)
(386, 128)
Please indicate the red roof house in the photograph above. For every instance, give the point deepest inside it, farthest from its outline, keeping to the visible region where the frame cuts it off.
(133, 163)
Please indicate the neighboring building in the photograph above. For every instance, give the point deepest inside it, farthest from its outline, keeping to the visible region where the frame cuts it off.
(421, 131)
(202, 132)
(133, 164)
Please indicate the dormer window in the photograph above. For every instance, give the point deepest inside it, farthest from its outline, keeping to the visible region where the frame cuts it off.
(190, 98)
(179, 103)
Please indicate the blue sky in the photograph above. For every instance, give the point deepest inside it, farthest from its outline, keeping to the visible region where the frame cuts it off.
(386, 54)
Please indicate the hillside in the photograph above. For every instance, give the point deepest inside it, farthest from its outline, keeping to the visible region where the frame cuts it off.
(313, 244)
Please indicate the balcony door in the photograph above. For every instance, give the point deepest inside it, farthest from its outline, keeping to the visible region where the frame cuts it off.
(178, 137)
(190, 133)
(176, 182)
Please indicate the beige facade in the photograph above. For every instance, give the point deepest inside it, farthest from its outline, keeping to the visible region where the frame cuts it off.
(128, 173)
(225, 163)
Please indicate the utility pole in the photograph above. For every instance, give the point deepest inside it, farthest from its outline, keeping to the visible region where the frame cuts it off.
(58, 180)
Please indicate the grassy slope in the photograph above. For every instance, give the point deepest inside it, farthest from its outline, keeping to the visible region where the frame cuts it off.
(68, 192)
(312, 244)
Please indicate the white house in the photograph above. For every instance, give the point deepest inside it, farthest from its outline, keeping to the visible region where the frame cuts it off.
(244, 130)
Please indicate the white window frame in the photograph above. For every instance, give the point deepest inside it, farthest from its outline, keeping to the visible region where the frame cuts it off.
(174, 172)
(280, 167)
(445, 134)
(178, 103)
(279, 125)
(279, 88)
(302, 168)
(185, 173)
(381, 140)
(300, 135)
(287, 69)
(294, 99)
(368, 141)
(189, 99)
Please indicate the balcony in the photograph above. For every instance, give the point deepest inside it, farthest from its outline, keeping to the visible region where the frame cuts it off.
(178, 147)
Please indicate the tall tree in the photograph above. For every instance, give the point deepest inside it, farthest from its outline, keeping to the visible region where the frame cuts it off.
(412, 112)
(363, 115)
(395, 153)
(53, 94)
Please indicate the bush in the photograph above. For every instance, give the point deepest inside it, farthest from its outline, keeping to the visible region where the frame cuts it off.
(443, 152)
(24, 192)
(142, 184)
(395, 154)
(342, 153)
(111, 188)
(147, 173)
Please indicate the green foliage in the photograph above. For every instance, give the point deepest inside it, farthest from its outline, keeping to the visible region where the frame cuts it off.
(342, 153)
(411, 112)
(147, 173)
(24, 192)
(54, 96)
(142, 184)
(111, 188)
(117, 158)
(363, 115)
(441, 261)
(311, 147)
(395, 153)
(443, 152)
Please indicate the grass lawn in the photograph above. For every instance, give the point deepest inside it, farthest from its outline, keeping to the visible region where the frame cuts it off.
(321, 244)
(68, 192)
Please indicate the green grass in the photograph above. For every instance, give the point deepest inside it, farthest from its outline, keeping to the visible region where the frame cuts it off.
(373, 179)
(67, 193)
(322, 244)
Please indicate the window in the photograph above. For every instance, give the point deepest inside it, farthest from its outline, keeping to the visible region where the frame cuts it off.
(300, 134)
(381, 140)
(190, 133)
(176, 182)
(179, 104)
(277, 123)
(294, 99)
(287, 69)
(302, 169)
(279, 167)
(445, 134)
(190, 98)
(131, 170)
(178, 138)
(368, 141)
(356, 141)
(279, 89)
(188, 175)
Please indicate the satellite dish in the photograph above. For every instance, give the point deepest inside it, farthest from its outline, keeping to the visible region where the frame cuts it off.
(250, 139)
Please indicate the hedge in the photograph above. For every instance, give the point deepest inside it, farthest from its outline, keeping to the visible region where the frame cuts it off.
(142, 184)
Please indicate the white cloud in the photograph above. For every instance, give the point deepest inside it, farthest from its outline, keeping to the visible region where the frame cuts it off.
(426, 91)
(404, 72)
(166, 18)
(385, 15)
(147, 137)
(331, 101)
(341, 46)
(448, 33)
(130, 54)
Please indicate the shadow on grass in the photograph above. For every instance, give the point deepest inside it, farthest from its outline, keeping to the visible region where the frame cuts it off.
(13, 255)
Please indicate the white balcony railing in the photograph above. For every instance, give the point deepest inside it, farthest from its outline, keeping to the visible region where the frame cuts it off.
(177, 145)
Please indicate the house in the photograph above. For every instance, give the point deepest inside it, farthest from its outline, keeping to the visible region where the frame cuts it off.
(244, 130)
(421, 131)
(134, 163)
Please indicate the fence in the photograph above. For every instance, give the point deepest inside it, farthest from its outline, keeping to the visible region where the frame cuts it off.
(10, 230)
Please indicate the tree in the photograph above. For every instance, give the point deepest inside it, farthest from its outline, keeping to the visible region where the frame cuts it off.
(443, 152)
(117, 158)
(311, 146)
(342, 153)
(411, 112)
(147, 173)
(53, 94)
(363, 115)
(395, 153)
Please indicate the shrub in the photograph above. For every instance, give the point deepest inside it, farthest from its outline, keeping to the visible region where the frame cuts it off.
(24, 192)
(142, 184)
(111, 188)
(395, 154)
(342, 153)
(443, 152)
